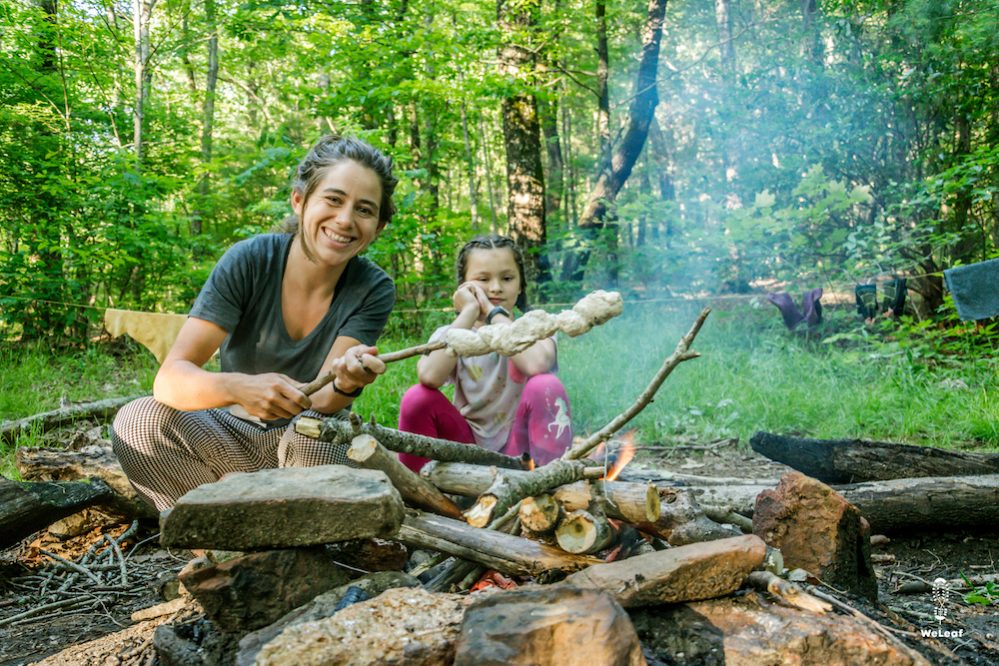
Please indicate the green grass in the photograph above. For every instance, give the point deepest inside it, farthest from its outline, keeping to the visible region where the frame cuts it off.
(752, 375)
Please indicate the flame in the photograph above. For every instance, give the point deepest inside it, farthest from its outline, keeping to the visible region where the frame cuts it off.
(624, 456)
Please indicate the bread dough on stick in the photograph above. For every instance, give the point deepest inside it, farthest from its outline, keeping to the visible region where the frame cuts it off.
(516, 336)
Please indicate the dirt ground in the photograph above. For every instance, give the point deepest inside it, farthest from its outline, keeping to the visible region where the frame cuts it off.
(91, 609)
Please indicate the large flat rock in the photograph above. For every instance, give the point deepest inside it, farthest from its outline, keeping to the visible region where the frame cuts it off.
(687, 573)
(287, 507)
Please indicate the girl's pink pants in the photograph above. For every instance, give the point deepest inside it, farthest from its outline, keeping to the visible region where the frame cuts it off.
(538, 426)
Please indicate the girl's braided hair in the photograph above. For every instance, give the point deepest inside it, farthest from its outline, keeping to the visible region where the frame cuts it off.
(494, 242)
(329, 151)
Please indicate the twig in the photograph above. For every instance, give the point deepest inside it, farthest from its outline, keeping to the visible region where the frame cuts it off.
(874, 624)
(121, 561)
(679, 355)
(72, 565)
(41, 609)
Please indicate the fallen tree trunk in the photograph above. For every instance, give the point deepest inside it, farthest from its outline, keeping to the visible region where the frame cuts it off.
(895, 505)
(26, 508)
(101, 409)
(342, 432)
(495, 550)
(856, 460)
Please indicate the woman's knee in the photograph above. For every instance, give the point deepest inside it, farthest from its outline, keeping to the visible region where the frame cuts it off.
(137, 421)
(545, 385)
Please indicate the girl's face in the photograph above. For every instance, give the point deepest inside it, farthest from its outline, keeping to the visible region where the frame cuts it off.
(340, 218)
(495, 270)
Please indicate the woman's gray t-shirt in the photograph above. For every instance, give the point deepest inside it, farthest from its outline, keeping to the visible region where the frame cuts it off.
(243, 296)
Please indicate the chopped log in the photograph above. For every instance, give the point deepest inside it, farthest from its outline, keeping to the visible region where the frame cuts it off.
(539, 515)
(682, 520)
(101, 409)
(583, 532)
(508, 489)
(856, 460)
(631, 502)
(415, 490)
(458, 478)
(895, 505)
(26, 508)
(342, 432)
(495, 550)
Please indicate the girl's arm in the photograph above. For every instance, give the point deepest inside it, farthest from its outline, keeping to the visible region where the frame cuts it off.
(183, 383)
(472, 306)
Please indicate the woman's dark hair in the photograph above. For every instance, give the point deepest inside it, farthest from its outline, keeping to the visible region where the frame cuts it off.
(494, 242)
(329, 151)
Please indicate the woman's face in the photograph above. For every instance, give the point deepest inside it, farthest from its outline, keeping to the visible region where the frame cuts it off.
(340, 218)
(495, 270)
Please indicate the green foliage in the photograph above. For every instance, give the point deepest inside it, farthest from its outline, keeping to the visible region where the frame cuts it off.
(982, 595)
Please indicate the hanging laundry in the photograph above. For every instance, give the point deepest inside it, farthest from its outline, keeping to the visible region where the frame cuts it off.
(810, 312)
(155, 331)
(975, 289)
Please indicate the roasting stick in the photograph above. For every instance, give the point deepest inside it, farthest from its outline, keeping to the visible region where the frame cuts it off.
(511, 338)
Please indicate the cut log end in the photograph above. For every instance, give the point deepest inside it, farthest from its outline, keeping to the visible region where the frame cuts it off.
(582, 532)
(540, 514)
(481, 512)
(362, 448)
(308, 426)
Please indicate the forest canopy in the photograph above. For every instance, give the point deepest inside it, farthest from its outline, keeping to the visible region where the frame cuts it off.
(691, 146)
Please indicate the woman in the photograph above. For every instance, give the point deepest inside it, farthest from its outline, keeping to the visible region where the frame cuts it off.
(281, 309)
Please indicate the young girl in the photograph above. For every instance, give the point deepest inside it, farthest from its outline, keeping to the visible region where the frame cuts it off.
(514, 405)
(282, 309)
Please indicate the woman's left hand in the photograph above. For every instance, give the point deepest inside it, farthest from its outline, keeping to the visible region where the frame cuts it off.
(358, 367)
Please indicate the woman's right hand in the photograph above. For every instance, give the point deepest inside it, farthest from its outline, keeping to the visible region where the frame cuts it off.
(269, 396)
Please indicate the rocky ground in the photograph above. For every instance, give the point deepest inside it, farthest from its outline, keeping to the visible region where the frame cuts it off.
(136, 574)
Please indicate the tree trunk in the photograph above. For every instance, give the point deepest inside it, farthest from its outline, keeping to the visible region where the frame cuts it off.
(948, 503)
(473, 198)
(611, 180)
(207, 116)
(603, 94)
(142, 11)
(850, 461)
(522, 138)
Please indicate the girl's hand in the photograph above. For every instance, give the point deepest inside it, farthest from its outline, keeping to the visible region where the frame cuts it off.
(270, 396)
(470, 297)
(358, 367)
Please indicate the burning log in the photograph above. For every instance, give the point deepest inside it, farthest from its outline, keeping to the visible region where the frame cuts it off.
(584, 532)
(850, 461)
(490, 548)
(508, 489)
(539, 515)
(631, 502)
(368, 453)
(342, 432)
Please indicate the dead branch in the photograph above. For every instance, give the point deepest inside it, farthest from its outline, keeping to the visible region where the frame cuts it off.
(679, 355)
(101, 409)
(342, 432)
(368, 453)
(787, 592)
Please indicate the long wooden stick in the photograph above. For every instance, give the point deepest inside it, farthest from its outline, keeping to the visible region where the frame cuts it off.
(368, 453)
(102, 409)
(680, 354)
(503, 552)
(342, 432)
